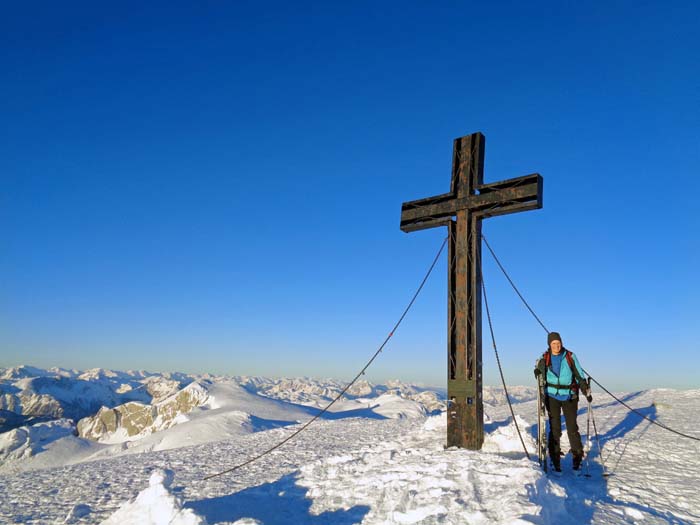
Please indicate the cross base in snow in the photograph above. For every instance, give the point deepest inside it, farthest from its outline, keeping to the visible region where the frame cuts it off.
(470, 201)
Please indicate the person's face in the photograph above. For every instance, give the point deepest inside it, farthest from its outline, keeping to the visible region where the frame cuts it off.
(555, 346)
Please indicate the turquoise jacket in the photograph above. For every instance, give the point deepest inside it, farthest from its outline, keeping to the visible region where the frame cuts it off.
(559, 381)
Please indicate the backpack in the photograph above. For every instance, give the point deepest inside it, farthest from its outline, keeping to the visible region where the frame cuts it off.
(575, 376)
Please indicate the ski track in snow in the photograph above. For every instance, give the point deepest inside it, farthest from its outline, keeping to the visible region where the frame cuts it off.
(396, 471)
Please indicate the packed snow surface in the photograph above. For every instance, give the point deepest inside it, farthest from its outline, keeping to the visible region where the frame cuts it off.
(156, 505)
(366, 465)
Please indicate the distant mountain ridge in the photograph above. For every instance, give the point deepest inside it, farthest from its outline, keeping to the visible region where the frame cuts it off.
(319, 392)
(28, 393)
(58, 416)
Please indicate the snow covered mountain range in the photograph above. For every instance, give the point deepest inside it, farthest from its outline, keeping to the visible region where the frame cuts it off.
(134, 448)
(57, 416)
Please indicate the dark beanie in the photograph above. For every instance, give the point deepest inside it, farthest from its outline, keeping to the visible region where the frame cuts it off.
(553, 336)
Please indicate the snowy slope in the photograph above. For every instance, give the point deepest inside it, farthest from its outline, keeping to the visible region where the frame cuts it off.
(207, 409)
(369, 470)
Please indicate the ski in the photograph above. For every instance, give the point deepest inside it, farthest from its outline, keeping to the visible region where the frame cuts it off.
(541, 423)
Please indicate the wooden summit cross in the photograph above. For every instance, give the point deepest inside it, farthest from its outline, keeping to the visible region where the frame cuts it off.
(470, 200)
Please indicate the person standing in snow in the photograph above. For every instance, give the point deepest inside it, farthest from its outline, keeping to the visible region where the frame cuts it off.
(564, 377)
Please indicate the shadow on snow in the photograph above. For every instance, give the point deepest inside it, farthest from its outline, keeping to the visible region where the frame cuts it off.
(595, 488)
(259, 423)
(277, 503)
(283, 501)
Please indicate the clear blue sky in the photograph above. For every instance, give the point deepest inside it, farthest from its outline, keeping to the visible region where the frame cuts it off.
(216, 186)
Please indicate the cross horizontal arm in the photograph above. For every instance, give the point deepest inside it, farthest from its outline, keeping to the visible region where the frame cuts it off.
(498, 198)
(424, 225)
(510, 196)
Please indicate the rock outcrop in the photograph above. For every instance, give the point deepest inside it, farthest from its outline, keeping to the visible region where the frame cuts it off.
(132, 420)
(30, 394)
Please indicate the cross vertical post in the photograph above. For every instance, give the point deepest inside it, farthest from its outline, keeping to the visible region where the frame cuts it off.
(469, 201)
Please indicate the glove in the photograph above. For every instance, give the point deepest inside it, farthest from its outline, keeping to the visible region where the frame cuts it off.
(589, 397)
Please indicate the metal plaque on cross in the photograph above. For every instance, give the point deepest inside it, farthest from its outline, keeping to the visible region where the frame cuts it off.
(462, 210)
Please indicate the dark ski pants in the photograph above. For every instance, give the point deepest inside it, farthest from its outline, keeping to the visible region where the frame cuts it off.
(570, 409)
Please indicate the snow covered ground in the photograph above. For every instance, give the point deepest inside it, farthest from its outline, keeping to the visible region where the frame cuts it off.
(362, 466)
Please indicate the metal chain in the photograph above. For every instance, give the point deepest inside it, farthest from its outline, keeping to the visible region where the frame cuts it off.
(393, 330)
(513, 284)
(500, 369)
(638, 412)
(329, 405)
(585, 371)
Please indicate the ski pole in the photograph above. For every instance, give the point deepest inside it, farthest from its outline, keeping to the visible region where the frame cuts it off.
(597, 437)
(588, 439)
